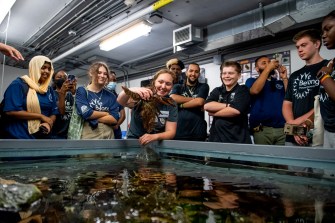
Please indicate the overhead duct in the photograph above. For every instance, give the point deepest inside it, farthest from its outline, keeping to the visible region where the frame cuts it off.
(186, 36)
(263, 21)
(277, 17)
(311, 9)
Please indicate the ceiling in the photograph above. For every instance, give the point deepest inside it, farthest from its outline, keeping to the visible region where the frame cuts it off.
(66, 30)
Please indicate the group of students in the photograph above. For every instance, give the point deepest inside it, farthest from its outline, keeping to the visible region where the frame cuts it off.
(37, 110)
(271, 102)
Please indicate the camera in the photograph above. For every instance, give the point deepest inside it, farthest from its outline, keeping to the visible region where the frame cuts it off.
(290, 129)
(71, 78)
(279, 58)
(43, 129)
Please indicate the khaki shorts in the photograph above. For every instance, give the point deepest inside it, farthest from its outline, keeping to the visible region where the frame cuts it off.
(103, 131)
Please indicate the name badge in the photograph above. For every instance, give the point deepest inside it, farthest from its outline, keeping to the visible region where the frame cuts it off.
(164, 114)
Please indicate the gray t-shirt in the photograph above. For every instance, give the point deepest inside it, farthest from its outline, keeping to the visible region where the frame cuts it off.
(167, 113)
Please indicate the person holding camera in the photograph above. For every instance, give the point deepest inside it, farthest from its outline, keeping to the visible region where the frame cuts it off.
(65, 88)
(30, 103)
(267, 94)
(303, 85)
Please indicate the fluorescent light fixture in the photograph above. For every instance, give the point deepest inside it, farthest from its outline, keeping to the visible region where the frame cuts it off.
(139, 29)
(5, 7)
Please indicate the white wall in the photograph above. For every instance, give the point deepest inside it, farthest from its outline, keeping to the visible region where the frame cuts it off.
(7, 75)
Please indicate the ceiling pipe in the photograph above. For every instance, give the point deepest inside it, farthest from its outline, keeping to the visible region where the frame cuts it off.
(81, 30)
(79, 15)
(114, 27)
(72, 6)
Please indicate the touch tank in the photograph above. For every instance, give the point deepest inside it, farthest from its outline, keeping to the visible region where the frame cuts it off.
(105, 181)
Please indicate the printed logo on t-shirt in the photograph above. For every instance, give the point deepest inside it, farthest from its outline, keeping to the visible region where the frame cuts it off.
(279, 86)
(96, 104)
(232, 96)
(67, 116)
(68, 111)
(185, 94)
(83, 109)
(68, 106)
(50, 98)
(303, 85)
(160, 121)
(163, 114)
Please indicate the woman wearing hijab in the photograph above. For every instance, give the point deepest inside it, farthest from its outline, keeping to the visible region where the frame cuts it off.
(30, 103)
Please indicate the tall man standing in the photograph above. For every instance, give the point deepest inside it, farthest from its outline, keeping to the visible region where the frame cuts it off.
(190, 98)
(267, 94)
(303, 84)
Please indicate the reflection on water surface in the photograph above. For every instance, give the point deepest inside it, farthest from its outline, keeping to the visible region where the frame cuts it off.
(107, 189)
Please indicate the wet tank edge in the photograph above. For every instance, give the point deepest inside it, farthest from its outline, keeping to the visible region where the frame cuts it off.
(282, 155)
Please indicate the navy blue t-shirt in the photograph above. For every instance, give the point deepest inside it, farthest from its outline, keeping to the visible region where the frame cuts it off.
(15, 99)
(327, 107)
(266, 107)
(61, 125)
(87, 102)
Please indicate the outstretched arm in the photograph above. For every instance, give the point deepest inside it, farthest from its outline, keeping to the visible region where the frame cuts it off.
(125, 99)
(11, 52)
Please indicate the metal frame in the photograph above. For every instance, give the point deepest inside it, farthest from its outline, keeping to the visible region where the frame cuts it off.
(283, 155)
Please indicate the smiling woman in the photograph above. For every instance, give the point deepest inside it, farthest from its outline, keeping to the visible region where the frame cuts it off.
(30, 102)
(155, 115)
(96, 105)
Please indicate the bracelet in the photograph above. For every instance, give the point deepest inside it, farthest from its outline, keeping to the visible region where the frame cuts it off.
(324, 78)
(285, 78)
(321, 74)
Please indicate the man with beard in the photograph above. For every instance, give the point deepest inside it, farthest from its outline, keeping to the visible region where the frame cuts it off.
(267, 95)
(190, 98)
